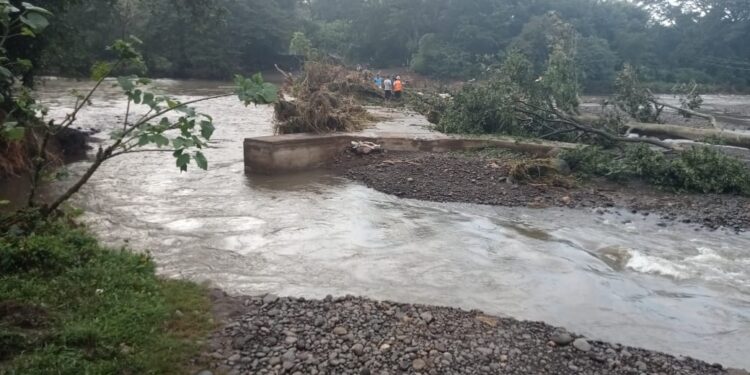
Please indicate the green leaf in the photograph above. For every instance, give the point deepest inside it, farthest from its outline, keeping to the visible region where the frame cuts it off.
(178, 143)
(269, 93)
(24, 64)
(160, 140)
(35, 21)
(143, 140)
(136, 97)
(182, 161)
(148, 99)
(14, 133)
(207, 129)
(5, 73)
(125, 50)
(26, 31)
(254, 90)
(200, 159)
(126, 83)
(35, 9)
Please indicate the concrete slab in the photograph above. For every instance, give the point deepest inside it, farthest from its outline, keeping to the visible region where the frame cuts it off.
(299, 152)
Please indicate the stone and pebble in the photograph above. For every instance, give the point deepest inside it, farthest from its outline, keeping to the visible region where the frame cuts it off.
(359, 336)
(445, 177)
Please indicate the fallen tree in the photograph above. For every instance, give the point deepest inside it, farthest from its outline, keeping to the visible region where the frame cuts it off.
(669, 131)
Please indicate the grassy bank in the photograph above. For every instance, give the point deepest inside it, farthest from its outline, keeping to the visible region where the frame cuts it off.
(70, 306)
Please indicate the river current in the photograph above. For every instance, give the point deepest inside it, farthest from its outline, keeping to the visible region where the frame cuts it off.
(616, 277)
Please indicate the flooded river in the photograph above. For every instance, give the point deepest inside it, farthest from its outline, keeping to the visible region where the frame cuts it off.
(616, 277)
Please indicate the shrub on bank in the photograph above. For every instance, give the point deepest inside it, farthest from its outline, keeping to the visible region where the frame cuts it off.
(699, 169)
(71, 306)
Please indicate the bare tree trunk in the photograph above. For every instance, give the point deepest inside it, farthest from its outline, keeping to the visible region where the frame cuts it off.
(666, 131)
(36, 174)
(101, 156)
(708, 117)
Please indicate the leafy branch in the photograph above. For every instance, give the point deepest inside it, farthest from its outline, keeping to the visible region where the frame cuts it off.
(168, 125)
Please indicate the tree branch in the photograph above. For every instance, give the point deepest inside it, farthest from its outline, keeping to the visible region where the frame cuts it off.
(588, 129)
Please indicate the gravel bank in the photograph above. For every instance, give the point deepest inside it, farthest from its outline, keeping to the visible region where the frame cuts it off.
(272, 335)
(473, 179)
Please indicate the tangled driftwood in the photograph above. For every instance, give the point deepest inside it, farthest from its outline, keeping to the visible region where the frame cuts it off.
(325, 100)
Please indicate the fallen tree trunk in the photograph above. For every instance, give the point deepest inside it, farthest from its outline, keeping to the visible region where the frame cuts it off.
(690, 112)
(668, 131)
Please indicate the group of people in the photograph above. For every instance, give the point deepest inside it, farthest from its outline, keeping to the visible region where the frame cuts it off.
(392, 87)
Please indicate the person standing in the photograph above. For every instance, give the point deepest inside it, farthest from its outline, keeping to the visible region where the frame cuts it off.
(379, 81)
(398, 87)
(388, 88)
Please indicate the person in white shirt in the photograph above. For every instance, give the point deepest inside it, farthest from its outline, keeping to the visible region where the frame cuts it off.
(388, 88)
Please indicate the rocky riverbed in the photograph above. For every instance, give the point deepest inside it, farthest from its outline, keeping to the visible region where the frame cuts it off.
(348, 335)
(473, 178)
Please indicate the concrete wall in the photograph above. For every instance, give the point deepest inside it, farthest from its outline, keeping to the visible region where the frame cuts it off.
(297, 152)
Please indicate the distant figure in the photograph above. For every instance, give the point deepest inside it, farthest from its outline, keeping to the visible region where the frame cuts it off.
(398, 87)
(379, 81)
(388, 88)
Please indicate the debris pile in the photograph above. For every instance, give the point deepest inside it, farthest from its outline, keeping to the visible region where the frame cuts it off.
(323, 99)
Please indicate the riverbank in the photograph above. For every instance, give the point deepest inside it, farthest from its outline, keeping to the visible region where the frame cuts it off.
(71, 306)
(474, 178)
(349, 335)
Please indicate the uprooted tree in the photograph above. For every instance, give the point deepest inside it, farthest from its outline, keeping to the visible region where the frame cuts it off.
(516, 102)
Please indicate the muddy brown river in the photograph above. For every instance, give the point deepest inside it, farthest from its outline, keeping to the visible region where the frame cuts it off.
(671, 289)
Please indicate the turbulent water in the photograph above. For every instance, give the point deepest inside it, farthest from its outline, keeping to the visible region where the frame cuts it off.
(616, 277)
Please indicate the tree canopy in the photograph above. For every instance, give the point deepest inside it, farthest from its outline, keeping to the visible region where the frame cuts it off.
(670, 41)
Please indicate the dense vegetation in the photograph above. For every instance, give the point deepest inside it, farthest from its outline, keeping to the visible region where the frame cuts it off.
(70, 306)
(181, 38)
(698, 169)
(672, 41)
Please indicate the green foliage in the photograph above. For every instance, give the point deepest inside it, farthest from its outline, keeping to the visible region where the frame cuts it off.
(255, 90)
(93, 310)
(440, 59)
(16, 105)
(598, 63)
(190, 38)
(501, 105)
(483, 109)
(633, 98)
(300, 45)
(699, 169)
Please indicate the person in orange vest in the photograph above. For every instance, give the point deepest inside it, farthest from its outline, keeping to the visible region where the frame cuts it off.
(398, 87)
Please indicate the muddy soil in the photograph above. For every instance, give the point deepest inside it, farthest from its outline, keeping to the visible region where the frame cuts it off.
(472, 178)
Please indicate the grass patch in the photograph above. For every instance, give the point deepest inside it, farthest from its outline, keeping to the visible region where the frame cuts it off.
(71, 306)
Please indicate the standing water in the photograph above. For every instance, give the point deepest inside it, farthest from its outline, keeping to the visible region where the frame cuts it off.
(670, 289)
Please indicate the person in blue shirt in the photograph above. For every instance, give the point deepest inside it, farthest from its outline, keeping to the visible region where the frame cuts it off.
(379, 81)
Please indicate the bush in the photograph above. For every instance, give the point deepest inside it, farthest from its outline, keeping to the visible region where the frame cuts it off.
(47, 250)
(699, 169)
